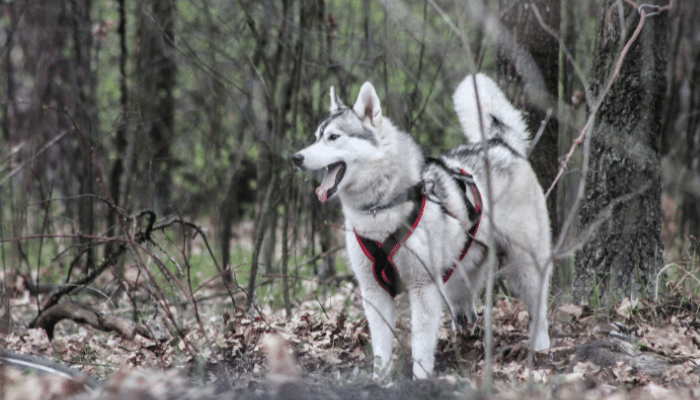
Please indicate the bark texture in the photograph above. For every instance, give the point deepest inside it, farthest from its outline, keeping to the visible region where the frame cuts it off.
(156, 64)
(622, 207)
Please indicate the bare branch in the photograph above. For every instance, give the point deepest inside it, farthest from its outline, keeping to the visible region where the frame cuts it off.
(81, 314)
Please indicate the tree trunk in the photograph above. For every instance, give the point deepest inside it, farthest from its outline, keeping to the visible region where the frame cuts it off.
(229, 212)
(622, 205)
(85, 116)
(120, 142)
(157, 66)
(691, 208)
(518, 71)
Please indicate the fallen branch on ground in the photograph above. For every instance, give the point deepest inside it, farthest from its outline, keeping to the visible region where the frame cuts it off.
(84, 315)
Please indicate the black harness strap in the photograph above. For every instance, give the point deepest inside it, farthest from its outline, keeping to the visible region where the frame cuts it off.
(466, 181)
(381, 254)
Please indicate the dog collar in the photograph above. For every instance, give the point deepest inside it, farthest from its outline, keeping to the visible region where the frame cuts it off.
(413, 193)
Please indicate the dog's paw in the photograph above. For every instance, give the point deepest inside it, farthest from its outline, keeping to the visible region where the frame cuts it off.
(464, 321)
(381, 371)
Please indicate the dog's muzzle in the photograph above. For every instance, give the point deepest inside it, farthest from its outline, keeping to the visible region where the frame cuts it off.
(298, 160)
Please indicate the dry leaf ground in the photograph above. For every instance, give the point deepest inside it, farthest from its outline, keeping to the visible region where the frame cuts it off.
(636, 350)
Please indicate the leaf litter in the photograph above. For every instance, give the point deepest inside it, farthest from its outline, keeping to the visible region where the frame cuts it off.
(638, 350)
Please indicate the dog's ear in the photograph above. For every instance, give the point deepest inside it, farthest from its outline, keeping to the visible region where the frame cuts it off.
(336, 103)
(367, 105)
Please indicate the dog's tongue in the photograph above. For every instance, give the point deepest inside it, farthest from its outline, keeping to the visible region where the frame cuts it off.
(327, 184)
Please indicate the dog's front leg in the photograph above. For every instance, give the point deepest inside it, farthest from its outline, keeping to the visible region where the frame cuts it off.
(426, 310)
(378, 305)
(379, 309)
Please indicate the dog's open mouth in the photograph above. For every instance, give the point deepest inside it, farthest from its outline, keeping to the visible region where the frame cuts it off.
(334, 174)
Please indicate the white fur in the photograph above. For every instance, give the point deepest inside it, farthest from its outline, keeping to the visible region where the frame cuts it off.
(380, 169)
(492, 101)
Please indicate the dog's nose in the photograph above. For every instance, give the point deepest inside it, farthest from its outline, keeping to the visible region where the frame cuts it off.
(298, 160)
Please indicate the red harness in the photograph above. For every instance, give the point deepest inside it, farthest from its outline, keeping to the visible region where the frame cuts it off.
(382, 254)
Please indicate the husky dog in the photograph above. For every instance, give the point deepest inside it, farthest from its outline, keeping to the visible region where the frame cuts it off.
(424, 224)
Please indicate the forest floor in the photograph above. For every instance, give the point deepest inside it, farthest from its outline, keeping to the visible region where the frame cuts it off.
(634, 350)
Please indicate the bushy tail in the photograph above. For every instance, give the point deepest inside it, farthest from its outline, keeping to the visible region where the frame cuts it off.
(500, 118)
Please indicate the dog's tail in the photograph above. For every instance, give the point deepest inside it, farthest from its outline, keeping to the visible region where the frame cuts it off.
(500, 118)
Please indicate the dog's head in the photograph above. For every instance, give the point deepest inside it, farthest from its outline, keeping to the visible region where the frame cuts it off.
(346, 140)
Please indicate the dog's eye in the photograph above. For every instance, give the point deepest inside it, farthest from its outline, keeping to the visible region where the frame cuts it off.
(333, 136)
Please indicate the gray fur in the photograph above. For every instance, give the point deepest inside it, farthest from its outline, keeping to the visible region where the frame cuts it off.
(381, 163)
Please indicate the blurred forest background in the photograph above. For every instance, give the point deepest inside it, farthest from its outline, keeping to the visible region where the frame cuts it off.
(150, 140)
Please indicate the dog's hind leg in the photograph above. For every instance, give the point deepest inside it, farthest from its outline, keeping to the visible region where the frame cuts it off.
(528, 277)
(460, 296)
(462, 289)
(426, 310)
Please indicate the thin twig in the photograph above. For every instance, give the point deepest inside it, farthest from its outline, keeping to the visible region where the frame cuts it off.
(37, 154)
(577, 68)
(491, 254)
(539, 133)
(656, 284)
(599, 102)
